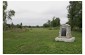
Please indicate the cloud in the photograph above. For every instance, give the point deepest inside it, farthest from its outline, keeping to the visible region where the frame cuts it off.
(38, 12)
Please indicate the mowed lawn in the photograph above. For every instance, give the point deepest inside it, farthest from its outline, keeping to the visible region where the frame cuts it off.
(39, 41)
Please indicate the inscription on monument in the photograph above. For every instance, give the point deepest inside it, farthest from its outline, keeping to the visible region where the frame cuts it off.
(63, 32)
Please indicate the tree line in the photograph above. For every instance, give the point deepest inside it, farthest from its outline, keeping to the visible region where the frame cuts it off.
(8, 14)
(54, 23)
(11, 26)
(74, 16)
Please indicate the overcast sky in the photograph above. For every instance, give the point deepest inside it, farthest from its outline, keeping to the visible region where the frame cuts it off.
(38, 12)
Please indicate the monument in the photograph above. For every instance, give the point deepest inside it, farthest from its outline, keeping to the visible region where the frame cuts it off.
(65, 34)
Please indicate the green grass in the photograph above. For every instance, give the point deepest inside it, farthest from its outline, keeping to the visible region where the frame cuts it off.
(39, 40)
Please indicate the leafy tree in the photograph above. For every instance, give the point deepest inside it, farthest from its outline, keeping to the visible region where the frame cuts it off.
(17, 25)
(55, 22)
(6, 14)
(45, 25)
(37, 26)
(20, 26)
(4, 9)
(10, 14)
(29, 26)
(12, 25)
(49, 23)
(75, 14)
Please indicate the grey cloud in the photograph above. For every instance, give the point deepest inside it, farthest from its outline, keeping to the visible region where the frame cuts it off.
(38, 12)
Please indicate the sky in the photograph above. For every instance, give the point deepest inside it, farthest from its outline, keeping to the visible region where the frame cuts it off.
(37, 12)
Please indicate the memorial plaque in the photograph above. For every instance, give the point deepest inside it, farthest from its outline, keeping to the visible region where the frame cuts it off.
(63, 32)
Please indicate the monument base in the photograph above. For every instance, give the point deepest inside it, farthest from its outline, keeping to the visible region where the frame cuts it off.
(65, 39)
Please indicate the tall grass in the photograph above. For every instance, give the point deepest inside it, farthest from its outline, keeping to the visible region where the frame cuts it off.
(39, 40)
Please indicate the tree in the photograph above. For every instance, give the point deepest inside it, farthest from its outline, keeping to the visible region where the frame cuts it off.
(17, 25)
(45, 25)
(20, 26)
(4, 9)
(10, 14)
(29, 26)
(7, 14)
(75, 14)
(49, 23)
(37, 26)
(4, 14)
(55, 22)
(12, 25)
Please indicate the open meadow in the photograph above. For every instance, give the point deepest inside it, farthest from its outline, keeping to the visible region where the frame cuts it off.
(39, 40)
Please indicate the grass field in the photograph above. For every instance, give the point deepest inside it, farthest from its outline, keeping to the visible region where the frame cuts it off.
(39, 40)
